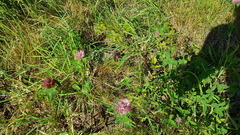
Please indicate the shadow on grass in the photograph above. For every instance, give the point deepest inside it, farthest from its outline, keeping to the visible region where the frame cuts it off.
(220, 52)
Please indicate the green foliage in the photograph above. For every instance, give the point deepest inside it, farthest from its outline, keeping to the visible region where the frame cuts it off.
(124, 119)
(199, 106)
(171, 91)
(48, 92)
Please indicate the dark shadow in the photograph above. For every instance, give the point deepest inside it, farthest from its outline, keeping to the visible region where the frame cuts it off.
(220, 51)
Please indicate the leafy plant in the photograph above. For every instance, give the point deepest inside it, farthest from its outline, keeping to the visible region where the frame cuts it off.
(48, 92)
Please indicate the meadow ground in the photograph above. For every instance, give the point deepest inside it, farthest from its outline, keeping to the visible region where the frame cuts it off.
(66, 65)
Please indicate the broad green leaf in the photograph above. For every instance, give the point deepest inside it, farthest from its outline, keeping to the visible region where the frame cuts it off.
(76, 87)
(48, 92)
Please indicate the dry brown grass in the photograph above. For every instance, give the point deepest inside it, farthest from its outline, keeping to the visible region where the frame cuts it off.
(194, 19)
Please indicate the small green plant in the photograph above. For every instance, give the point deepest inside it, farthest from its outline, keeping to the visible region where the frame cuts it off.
(48, 92)
(49, 88)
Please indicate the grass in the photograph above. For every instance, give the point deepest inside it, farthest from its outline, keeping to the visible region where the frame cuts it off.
(174, 86)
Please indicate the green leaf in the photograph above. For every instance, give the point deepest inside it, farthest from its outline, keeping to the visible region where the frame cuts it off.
(172, 123)
(118, 120)
(221, 87)
(182, 111)
(112, 108)
(190, 121)
(223, 130)
(86, 87)
(48, 92)
(23, 122)
(154, 60)
(64, 133)
(76, 87)
(127, 122)
(206, 80)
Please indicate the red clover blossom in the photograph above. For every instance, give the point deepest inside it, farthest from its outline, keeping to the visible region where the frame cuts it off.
(48, 82)
(178, 119)
(80, 54)
(123, 106)
(235, 1)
